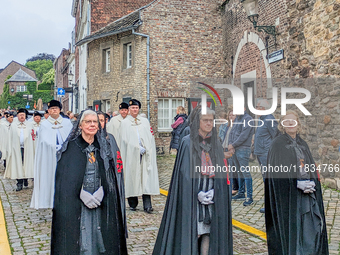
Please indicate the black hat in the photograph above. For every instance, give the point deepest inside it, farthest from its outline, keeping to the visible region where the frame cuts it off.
(22, 110)
(46, 111)
(36, 113)
(135, 102)
(54, 103)
(123, 105)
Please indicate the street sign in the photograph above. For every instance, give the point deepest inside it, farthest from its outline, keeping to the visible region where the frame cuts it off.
(9, 102)
(27, 106)
(275, 56)
(61, 92)
(69, 90)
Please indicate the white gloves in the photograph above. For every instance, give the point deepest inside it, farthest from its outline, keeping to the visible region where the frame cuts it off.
(307, 186)
(92, 201)
(206, 197)
(141, 150)
(99, 194)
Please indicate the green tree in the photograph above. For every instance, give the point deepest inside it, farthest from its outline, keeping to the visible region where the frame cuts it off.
(5, 95)
(40, 67)
(47, 81)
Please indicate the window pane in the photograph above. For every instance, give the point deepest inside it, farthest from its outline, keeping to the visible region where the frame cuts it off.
(160, 103)
(166, 103)
(173, 114)
(166, 123)
(166, 114)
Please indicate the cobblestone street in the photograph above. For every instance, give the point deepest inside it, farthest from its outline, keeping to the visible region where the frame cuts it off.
(29, 230)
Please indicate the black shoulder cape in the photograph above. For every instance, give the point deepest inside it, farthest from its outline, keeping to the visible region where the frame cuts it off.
(67, 204)
(282, 202)
(178, 231)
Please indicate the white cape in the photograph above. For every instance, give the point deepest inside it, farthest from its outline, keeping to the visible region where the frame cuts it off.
(140, 177)
(15, 168)
(113, 127)
(4, 130)
(45, 163)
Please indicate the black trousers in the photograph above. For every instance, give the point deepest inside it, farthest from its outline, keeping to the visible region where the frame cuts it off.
(133, 201)
(21, 182)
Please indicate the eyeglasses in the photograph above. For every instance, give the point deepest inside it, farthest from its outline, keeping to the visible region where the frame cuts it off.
(207, 120)
(89, 122)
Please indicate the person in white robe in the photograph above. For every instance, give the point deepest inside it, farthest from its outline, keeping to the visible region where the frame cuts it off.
(138, 151)
(52, 134)
(36, 123)
(20, 158)
(113, 126)
(4, 129)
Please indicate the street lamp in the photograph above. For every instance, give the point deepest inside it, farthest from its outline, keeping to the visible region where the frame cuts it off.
(70, 79)
(252, 10)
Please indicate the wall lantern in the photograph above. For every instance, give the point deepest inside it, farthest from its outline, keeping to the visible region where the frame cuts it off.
(252, 10)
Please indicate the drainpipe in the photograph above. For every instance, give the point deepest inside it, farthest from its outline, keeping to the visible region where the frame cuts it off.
(147, 69)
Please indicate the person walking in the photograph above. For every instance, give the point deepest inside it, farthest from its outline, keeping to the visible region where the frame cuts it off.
(20, 158)
(52, 134)
(87, 217)
(138, 149)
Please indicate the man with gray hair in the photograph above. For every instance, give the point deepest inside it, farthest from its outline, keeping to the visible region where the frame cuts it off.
(265, 132)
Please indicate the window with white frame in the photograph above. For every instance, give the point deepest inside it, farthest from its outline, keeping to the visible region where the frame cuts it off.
(21, 88)
(107, 54)
(167, 111)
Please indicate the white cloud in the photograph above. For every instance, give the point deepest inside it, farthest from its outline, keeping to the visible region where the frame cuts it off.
(32, 27)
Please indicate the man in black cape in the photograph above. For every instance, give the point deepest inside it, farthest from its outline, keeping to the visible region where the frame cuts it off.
(67, 210)
(295, 221)
(178, 233)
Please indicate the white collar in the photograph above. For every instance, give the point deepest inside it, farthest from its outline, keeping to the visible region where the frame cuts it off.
(55, 121)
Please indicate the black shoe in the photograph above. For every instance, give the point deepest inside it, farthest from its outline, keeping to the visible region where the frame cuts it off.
(148, 210)
(19, 187)
(262, 210)
(25, 183)
(248, 201)
(239, 197)
(133, 209)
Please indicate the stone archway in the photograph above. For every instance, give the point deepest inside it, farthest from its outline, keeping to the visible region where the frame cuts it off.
(254, 38)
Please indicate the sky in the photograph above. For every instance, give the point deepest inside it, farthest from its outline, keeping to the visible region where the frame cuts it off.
(29, 27)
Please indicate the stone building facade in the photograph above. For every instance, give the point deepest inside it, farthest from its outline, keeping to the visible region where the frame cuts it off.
(11, 69)
(185, 45)
(308, 32)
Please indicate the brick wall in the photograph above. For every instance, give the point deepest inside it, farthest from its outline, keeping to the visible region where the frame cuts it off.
(103, 12)
(11, 69)
(61, 77)
(185, 46)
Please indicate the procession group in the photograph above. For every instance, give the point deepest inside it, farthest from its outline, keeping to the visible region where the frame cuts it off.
(84, 170)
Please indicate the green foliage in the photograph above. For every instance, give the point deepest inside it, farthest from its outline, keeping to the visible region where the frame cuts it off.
(40, 67)
(4, 95)
(47, 81)
(17, 100)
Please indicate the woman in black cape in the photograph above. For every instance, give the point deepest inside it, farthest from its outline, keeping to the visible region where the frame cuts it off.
(294, 212)
(71, 215)
(179, 230)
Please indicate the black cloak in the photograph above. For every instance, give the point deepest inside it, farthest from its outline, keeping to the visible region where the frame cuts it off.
(295, 221)
(67, 204)
(178, 230)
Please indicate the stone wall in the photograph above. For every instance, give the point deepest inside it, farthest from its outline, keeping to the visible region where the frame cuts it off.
(308, 32)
